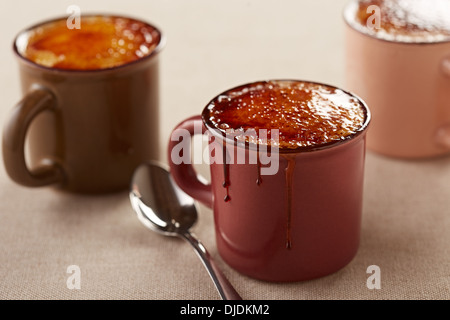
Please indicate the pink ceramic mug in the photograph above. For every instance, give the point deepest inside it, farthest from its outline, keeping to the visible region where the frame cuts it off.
(407, 85)
(298, 222)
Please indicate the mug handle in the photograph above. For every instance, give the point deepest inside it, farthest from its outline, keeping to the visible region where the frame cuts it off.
(443, 133)
(183, 173)
(446, 66)
(14, 134)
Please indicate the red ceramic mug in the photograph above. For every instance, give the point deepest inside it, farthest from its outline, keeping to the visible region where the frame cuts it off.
(300, 221)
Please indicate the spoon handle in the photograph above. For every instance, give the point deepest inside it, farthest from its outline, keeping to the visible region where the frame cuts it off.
(226, 290)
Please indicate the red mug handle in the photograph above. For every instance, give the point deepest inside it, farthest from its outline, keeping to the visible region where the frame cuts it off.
(183, 172)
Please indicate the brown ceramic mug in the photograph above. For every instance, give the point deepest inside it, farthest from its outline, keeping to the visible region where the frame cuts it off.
(84, 128)
(280, 215)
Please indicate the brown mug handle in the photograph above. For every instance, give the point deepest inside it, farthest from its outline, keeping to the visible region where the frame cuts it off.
(183, 173)
(14, 134)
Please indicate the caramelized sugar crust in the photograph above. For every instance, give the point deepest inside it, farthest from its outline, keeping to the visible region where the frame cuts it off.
(305, 114)
(100, 43)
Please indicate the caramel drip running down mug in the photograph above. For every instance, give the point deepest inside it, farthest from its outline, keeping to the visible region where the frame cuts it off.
(85, 130)
(298, 222)
(405, 81)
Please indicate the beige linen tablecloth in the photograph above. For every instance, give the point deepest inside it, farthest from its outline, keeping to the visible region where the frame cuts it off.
(212, 46)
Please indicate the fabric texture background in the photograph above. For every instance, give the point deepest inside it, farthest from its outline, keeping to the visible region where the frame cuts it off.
(213, 46)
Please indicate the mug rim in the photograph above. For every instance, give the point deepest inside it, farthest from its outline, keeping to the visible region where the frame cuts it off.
(345, 14)
(155, 51)
(254, 146)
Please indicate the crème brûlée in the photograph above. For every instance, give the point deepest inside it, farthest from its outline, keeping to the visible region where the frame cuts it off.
(101, 42)
(405, 20)
(292, 114)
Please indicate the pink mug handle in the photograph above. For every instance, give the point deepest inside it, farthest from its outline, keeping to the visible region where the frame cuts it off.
(446, 66)
(443, 133)
(184, 173)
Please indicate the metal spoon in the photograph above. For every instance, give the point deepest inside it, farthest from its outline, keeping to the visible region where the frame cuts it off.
(163, 207)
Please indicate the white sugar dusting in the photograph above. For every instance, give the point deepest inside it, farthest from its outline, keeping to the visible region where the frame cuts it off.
(405, 20)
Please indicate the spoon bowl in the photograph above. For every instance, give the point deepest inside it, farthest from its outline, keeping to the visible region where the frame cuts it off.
(159, 204)
(164, 208)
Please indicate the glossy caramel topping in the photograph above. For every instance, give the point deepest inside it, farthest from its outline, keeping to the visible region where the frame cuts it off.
(100, 43)
(407, 20)
(305, 114)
